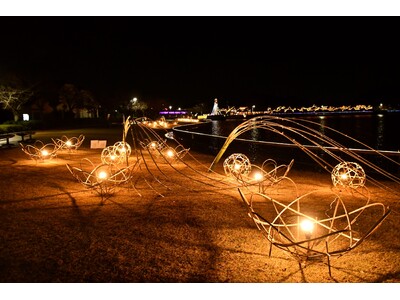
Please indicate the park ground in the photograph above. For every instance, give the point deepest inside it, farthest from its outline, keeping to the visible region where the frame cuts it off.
(175, 229)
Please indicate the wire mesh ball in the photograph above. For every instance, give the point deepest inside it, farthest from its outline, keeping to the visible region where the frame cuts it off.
(348, 174)
(237, 164)
(109, 156)
(122, 148)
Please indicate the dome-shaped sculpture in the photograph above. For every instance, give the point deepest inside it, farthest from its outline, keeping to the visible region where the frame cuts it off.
(348, 174)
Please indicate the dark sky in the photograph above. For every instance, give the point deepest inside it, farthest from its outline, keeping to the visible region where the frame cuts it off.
(184, 61)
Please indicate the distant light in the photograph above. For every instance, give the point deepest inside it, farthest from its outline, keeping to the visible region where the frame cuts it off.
(170, 107)
(179, 108)
(380, 115)
(25, 117)
(182, 112)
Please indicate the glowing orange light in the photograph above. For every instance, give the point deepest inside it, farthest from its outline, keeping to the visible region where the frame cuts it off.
(102, 175)
(307, 226)
(45, 152)
(170, 153)
(258, 176)
(68, 143)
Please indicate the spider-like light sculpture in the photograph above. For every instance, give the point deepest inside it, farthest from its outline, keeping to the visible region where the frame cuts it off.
(103, 178)
(174, 154)
(70, 144)
(40, 151)
(153, 146)
(237, 164)
(314, 231)
(116, 154)
(348, 174)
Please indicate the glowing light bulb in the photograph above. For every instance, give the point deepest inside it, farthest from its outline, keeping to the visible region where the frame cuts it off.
(153, 145)
(258, 176)
(236, 167)
(343, 176)
(307, 226)
(102, 175)
(112, 157)
(68, 143)
(45, 153)
(170, 153)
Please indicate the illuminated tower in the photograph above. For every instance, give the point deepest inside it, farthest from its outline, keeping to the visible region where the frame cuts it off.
(215, 110)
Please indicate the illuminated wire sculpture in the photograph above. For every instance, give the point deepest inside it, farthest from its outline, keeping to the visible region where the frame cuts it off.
(171, 154)
(40, 151)
(70, 144)
(116, 154)
(309, 229)
(102, 178)
(237, 164)
(348, 174)
(154, 146)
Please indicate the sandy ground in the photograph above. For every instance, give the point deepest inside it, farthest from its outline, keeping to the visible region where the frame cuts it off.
(172, 223)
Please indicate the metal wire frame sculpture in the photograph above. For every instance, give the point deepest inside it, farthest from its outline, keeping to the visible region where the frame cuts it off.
(70, 144)
(154, 146)
(315, 140)
(171, 153)
(307, 233)
(116, 154)
(238, 165)
(348, 174)
(102, 178)
(40, 151)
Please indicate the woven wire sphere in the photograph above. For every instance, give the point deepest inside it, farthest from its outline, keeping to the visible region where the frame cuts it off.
(122, 148)
(237, 164)
(348, 174)
(115, 154)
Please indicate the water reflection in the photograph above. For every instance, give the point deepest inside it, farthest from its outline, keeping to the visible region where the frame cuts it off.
(322, 122)
(380, 135)
(253, 149)
(216, 128)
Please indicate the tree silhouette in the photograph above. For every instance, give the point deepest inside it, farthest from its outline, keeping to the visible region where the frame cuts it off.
(13, 98)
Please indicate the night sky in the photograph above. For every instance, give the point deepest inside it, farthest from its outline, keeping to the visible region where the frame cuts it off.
(185, 61)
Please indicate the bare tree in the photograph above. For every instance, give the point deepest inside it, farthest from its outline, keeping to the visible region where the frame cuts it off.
(13, 98)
